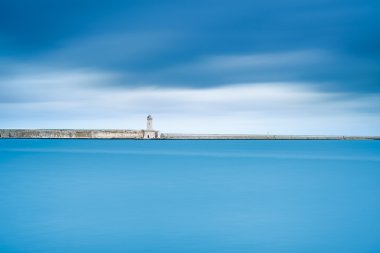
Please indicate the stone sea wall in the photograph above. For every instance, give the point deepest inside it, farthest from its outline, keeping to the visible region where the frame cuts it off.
(71, 134)
(262, 137)
(144, 134)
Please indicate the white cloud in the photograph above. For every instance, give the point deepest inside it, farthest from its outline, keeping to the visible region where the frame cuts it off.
(265, 60)
(82, 99)
(278, 66)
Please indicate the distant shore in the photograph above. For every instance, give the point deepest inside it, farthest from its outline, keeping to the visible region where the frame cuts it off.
(141, 134)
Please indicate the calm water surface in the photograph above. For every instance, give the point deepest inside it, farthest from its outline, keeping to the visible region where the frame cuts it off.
(83, 196)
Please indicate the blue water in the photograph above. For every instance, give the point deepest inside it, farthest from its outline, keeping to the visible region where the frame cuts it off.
(189, 196)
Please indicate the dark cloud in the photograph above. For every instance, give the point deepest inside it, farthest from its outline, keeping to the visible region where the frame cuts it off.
(169, 42)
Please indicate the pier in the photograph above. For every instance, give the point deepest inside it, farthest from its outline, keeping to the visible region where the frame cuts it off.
(155, 135)
(151, 134)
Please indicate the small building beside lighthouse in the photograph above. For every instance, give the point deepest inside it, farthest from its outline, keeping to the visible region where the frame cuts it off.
(149, 133)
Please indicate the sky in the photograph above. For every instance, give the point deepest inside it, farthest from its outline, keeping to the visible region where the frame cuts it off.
(262, 67)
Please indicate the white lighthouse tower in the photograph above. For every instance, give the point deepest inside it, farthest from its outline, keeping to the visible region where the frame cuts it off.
(149, 133)
(149, 123)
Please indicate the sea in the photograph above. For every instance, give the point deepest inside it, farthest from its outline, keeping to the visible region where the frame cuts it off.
(79, 196)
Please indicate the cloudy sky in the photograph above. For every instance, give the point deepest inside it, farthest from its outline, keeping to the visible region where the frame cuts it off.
(243, 66)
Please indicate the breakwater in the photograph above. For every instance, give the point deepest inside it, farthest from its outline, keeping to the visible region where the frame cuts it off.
(150, 134)
(263, 137)
(70, 134)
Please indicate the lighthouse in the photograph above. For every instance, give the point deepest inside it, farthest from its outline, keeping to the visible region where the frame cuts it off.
(149, 133)
(149, 123)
